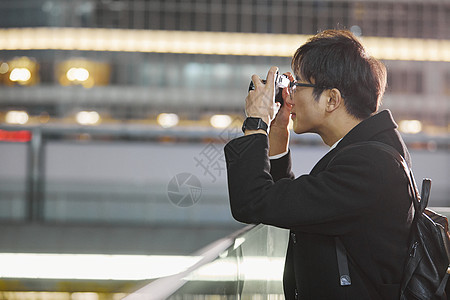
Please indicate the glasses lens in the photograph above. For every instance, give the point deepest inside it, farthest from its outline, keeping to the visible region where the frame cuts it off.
(292, 88)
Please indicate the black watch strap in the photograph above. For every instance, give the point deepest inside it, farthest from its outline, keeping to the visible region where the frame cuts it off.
(254, 124)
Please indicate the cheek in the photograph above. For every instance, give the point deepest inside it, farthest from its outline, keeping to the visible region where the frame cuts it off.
(298, 101)
(302, 105)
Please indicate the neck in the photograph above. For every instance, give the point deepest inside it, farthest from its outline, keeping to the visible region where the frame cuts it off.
(336, 127)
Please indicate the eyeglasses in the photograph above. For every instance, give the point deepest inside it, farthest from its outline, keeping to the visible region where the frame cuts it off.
(293, 85)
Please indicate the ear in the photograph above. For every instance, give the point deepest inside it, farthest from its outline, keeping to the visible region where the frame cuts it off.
(334, 100)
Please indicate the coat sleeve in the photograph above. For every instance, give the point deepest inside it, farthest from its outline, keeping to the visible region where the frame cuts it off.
(281, 167)
(326, 203)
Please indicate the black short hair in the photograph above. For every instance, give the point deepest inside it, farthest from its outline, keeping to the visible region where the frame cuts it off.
(337, 59)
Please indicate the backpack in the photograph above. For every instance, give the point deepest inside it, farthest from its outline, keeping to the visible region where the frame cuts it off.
(427, 268)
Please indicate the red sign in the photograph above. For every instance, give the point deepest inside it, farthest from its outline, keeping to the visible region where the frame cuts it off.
(15, 136)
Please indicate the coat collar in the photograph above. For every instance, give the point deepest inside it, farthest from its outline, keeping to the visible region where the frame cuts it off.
(364, 131)
(368, 128)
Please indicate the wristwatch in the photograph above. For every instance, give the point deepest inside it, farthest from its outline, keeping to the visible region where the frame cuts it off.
(254, 124)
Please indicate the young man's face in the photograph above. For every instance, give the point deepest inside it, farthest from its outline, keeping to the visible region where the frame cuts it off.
(307, 113)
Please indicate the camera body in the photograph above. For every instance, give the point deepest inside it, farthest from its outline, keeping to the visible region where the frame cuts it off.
(281, 81)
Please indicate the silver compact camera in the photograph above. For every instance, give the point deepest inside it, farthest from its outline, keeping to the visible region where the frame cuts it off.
(281, 81)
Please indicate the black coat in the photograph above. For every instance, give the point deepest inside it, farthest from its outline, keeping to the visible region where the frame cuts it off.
(361, 196)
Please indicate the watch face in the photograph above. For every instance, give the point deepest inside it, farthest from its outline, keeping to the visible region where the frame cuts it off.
(252, 124)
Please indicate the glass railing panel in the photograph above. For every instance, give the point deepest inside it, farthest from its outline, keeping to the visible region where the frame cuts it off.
(262, 263)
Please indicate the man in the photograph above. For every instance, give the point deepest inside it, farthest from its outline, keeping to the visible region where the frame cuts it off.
(354, 197)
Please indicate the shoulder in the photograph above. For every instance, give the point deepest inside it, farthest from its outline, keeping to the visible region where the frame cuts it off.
(370, 159)
(370, 151)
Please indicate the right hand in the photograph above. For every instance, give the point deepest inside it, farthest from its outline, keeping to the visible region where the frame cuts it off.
(260, 101)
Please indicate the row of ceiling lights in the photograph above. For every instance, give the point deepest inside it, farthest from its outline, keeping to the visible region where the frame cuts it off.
(192, 42)
(168, 120)
(165, 120)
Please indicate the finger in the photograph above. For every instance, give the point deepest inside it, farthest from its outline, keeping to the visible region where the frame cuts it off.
(256, 80)
(287, 109)
(247, 100)
(282, 117)
(290, 76)
(271, 75)
(286, 96)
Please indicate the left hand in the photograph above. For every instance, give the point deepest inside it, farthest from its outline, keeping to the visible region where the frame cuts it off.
(260, 102)
(281, 120)
(279, 129)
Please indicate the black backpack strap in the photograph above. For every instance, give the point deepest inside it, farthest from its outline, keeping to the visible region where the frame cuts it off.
(341, 254)
(441, 288)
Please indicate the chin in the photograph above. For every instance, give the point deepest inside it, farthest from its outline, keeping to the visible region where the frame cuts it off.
(298, 131)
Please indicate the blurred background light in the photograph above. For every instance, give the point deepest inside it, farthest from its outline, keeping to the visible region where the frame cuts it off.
(20, 70)
(92, 266)
(7, 295)
(88, 117)
(220, 121)
(251, 268)
(167, 120)
(133, 267)
(4, 67)
(356, 30)
(410, 126)
(44, 117)
(83, 71)
(20, 75)
(77, 74)
(18, 117)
